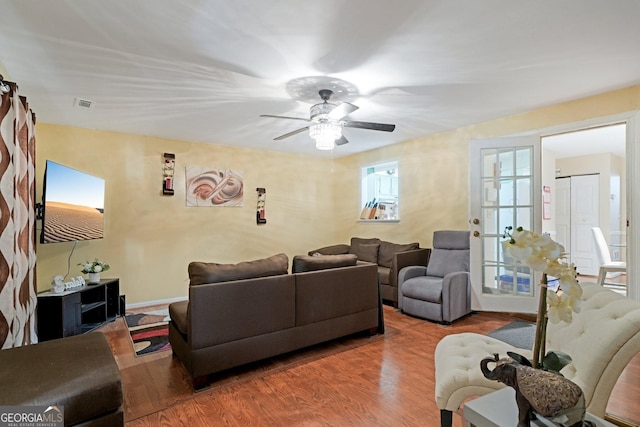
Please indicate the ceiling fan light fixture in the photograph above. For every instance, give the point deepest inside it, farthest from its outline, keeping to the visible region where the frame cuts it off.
(325, 135)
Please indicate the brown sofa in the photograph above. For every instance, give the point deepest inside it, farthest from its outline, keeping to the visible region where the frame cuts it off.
(390, 258)
(78, 373)
(241, 313)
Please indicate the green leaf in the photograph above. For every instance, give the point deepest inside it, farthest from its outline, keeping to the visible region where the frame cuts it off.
(554, 361)
(519, 358)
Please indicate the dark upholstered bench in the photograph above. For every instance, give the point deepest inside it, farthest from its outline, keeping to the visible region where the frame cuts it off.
(79, 373)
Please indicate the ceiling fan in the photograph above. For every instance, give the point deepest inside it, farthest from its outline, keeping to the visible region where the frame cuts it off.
(326, 121)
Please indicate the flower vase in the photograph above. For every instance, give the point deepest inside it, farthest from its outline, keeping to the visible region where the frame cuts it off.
(94, 278)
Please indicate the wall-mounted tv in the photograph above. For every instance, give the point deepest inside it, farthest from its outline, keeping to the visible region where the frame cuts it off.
(73, 205)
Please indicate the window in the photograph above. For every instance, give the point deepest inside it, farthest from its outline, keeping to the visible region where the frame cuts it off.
(380, 192)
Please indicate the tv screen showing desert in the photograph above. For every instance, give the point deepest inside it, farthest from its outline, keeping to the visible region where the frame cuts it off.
(66, 222)
(73, 206)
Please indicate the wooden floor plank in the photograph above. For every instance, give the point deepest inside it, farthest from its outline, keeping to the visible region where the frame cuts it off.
(356, 381)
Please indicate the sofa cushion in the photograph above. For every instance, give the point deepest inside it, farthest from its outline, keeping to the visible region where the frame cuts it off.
(387, 250)
(424, 288)
(331, 250)
(451, 239)
(444, 261)
(302, 263)
(179, 313)
(355, 241)
(365, 249)
(209, 272)
(368, 253)
(384, 274)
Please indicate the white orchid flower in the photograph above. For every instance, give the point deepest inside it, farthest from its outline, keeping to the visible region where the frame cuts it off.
(560, 307)
(541, 253)
(537, 262)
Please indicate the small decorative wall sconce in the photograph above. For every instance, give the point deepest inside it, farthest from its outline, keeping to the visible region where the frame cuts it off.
(167, 173)
(262, 199)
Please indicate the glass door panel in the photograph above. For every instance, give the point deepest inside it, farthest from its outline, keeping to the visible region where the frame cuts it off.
(502, 194)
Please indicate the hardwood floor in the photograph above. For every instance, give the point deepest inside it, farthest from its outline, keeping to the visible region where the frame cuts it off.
(382, 380)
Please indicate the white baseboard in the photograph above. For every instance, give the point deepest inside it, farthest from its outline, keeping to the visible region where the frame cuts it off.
(156, 302)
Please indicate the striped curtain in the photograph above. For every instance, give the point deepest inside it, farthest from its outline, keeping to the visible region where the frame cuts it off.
(18, 297)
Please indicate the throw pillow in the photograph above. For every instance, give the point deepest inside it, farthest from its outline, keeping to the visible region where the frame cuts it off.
(355, 241)
(368, 252)
(303, 263)
(209, 272)
(331, 250)
(388, 250)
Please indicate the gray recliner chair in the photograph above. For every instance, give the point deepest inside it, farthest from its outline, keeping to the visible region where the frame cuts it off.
(441, 291)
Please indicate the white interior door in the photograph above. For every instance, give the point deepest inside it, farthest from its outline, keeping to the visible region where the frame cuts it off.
(504, 190)
(577, 210)
(585, 205)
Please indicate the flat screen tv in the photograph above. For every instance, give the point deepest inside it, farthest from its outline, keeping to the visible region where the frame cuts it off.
(73, 205)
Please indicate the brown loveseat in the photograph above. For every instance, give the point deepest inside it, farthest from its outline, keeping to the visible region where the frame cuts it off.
(390, 258)
(241, 313)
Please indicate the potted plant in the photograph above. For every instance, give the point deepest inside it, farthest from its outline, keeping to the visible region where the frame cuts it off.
(544, 255)
(93, 269)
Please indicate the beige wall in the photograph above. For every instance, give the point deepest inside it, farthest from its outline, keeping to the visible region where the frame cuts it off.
(433, 185)
(4, 72)
(151, 238)
(434, 173)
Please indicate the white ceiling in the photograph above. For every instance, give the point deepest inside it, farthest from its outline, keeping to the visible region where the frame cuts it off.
(202, 70)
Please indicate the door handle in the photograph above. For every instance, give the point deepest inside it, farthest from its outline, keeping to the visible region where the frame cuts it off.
(475, 221)
(476, 234)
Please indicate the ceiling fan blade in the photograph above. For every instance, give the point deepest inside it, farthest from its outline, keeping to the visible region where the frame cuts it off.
(368, 125)
(342, 110)
(287, 135)
(285, 117)
(342, 140)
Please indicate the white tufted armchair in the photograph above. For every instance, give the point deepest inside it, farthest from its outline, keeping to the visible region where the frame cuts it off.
(601, 341)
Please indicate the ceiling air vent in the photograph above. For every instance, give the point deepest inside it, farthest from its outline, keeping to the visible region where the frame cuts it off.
(83, 103)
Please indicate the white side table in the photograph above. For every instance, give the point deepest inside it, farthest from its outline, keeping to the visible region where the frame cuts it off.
(499, 409)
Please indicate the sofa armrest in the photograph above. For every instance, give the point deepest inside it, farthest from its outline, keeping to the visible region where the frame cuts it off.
(401, 260)
(339, 249)
(456, 296)
(409, 273)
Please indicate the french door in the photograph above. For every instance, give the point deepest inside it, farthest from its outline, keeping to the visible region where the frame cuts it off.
(504, 191)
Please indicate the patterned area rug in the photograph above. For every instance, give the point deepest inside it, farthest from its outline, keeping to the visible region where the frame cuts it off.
(149, 331)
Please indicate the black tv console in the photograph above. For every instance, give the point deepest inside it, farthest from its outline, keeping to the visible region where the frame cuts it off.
(78, 310)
